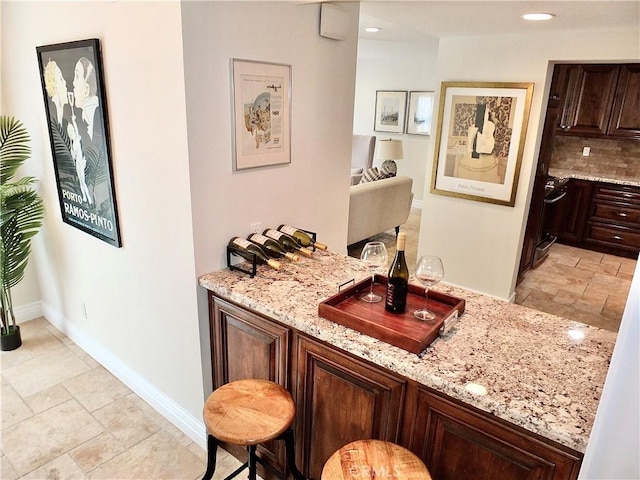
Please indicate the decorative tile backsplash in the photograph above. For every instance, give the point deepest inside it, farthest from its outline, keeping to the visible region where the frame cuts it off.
(608, 158)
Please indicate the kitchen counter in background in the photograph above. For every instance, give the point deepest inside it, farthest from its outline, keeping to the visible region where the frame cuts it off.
(608, 178)
(541, 372)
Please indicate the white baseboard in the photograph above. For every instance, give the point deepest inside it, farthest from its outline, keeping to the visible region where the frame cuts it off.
(24, 313)
(191, 426)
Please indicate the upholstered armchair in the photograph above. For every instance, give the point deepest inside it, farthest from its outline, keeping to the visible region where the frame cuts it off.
(362, 151)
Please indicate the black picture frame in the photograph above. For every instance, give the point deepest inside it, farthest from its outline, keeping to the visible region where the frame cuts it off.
(73, 88)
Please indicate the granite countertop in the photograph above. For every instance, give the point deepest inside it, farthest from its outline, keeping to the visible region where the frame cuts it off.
(617, 179)
(541, 372)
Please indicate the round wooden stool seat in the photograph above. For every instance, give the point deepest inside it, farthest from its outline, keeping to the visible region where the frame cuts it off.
(369, 459)
(248, 412)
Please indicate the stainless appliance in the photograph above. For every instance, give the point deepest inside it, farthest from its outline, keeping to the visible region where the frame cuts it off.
(555, 190)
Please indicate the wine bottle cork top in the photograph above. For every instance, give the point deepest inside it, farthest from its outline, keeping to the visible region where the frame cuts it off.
(402, 238)
(273, 263)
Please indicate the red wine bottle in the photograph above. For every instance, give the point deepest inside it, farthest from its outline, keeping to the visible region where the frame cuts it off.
(287, 242)
(272, 248)
(247, 249)
(303, 238)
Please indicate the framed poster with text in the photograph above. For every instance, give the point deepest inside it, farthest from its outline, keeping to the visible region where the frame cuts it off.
(76, 108)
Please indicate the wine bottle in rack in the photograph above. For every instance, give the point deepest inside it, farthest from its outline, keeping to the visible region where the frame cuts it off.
(272, 248)
(398, 279)
(247, 249)
(302, 237)
(288, 242)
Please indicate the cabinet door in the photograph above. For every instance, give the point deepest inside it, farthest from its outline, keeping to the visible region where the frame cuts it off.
(458, 442)
(340, 399)
(625, 118)
(574, 211)
(589, 99)
(246, 345)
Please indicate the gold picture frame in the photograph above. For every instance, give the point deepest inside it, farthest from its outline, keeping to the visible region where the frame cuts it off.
(481, 134)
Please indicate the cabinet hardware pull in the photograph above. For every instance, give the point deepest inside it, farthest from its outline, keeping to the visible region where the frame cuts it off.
(617, 237)
(622, 214)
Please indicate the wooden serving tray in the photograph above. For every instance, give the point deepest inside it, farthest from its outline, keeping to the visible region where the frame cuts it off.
(401, 330)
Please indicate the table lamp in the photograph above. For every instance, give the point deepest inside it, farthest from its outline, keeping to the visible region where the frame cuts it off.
(389, 151)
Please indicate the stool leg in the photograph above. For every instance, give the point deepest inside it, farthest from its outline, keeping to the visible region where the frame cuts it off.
(252, 462)
(291, 455)
(212, 449)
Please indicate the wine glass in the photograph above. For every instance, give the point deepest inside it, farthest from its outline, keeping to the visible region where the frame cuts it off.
(429, 271)
(374, 254)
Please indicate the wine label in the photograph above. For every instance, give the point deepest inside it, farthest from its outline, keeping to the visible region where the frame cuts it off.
(287, 229)
(261, 239)
(241, 242)
(273, 234)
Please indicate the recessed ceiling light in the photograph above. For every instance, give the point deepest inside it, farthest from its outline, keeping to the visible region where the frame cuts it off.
(538, 16)
(373, 29)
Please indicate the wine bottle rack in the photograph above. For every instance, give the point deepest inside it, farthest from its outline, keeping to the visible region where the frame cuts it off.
(312, 235)
(254, 261)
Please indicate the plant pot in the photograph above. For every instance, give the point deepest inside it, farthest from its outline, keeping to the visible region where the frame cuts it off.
(11, 340)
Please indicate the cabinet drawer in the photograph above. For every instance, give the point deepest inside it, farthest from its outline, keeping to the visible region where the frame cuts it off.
(617, 193)
(626, 238)
(617, 213)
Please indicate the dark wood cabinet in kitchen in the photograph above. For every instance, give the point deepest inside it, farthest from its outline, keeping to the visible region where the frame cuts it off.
(339, 400)
(456, 441)
(604, 217)
(599, 100)
(614, 221)
(625, 117)
(573, 215)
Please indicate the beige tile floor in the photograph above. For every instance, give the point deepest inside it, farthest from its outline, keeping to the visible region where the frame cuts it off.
(65, 417)
(581, 285)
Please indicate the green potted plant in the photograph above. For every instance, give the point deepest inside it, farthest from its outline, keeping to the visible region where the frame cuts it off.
(21, 215)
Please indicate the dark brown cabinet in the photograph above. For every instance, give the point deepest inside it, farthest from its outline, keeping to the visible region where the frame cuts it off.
(625, 117)
(574, 211)
(341, 398)
(614, 221)
(456, 441)
(603, 217)
(601, 100)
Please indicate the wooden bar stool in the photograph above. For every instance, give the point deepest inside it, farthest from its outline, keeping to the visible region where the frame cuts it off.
(369, 459)
(249, 412)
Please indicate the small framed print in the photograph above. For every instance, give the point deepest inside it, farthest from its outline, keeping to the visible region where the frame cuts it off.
(420, 113)
(261, 95)
(390, 111)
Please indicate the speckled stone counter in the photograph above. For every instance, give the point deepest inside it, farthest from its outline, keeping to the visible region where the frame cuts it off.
(617, 179)
(541, 372)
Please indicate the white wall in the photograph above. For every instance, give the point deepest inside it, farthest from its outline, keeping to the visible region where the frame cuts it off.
(313, 191)
(396, 66)
(612, 452)
(480, 242)
(140, 299)
(179, 202)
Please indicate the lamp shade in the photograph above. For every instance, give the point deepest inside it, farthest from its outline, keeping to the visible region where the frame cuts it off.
(389, 150)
